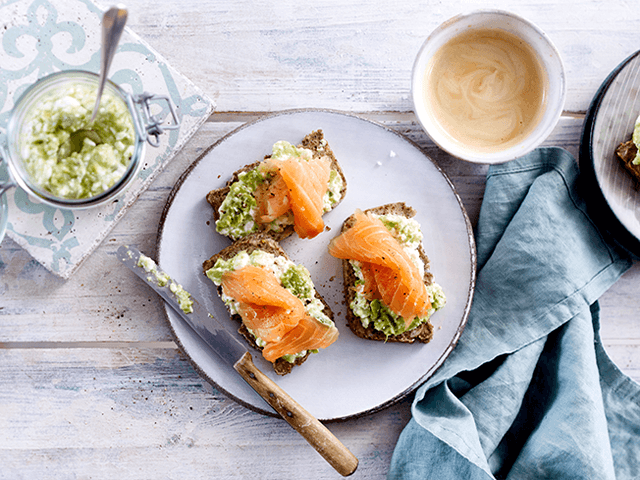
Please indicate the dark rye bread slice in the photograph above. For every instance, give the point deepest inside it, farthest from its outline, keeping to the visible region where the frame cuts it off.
(269, 245)
(626, 152)
(315, 142)
(423, 333)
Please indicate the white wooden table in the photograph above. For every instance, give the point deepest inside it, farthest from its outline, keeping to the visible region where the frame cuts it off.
(92, 384)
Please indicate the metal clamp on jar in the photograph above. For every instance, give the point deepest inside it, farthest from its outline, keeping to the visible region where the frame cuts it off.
(57, 155)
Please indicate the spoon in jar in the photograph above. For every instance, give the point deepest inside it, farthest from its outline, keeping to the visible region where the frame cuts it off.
(113, 22)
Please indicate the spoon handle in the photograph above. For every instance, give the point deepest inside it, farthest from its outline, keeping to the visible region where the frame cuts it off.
(113, 22)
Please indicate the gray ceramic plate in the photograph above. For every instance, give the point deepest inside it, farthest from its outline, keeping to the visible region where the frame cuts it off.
(614, 118)
(353, 376)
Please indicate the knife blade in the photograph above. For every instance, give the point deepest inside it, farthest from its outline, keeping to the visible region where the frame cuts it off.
(229, 348)
(222, 341)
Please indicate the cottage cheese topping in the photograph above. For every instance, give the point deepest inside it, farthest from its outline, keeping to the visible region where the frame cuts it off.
(45, 147)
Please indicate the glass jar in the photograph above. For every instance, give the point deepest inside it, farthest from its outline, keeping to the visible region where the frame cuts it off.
(147, 130)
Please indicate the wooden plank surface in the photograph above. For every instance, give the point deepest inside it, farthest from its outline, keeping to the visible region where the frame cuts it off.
(93, 384)
(140, 413)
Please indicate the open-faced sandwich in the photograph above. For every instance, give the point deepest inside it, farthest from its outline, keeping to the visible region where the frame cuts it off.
(275, 300)
(388, 287)
(628, 154)
(288, 191)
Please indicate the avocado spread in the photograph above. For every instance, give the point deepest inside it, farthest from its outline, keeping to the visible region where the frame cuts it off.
(237, 211)
(162, 279)
(46, 151)
(407, 232)
(295, 278)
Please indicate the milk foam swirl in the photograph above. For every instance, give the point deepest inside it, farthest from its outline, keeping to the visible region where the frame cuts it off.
(486, 87)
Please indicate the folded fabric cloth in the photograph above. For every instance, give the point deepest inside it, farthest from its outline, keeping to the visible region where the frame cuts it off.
(529, 392)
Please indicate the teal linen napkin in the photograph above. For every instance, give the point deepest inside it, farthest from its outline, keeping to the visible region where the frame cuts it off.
(529, 392)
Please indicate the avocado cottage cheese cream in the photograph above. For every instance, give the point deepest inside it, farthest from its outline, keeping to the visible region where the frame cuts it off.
(45, 147)
(162, 279)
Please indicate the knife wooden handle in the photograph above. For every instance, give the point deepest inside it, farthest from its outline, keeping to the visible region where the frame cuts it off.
(302, 421)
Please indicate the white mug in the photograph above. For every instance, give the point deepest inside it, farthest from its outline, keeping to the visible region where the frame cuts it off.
(552, 75)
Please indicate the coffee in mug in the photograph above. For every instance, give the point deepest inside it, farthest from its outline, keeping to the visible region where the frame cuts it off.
(486, 88)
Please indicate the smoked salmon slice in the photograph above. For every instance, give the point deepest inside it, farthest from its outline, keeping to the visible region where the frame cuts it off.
(265, 321)
(371, 291)
(266, 308)
(309, 334)
(407, 301)
(274, 314)
(257, 285)
(272, 198)
(389, 274)
(304, 184)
